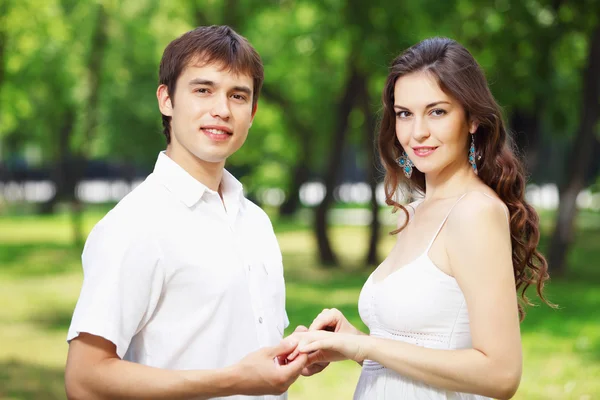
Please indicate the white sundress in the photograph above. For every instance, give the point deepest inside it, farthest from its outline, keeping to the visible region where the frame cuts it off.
(418, 304)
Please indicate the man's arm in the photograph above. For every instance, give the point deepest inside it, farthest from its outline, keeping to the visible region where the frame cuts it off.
(95, 372)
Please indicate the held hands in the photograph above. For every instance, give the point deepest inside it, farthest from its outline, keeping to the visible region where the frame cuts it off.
(330, 337)
(332, 346)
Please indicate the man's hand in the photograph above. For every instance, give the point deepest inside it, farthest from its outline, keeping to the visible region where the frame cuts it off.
(267, 371)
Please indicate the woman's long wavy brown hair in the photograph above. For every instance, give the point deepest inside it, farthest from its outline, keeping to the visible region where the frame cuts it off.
(461, 77)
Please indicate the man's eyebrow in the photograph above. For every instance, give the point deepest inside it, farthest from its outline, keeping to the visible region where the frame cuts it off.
(243, 89)
(200, 81)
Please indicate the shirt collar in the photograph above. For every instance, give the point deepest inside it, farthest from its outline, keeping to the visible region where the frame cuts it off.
(232, 189)
(188, 189)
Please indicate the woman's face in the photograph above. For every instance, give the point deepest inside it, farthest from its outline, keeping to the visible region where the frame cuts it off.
(430, 125)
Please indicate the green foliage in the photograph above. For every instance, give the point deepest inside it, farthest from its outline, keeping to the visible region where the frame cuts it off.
(533, 53)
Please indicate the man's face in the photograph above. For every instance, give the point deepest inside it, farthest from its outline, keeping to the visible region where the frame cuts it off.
(210, 113)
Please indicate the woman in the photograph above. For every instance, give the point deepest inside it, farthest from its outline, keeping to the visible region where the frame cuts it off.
(442, 308)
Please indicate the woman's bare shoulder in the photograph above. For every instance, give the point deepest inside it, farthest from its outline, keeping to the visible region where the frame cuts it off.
(478, 209)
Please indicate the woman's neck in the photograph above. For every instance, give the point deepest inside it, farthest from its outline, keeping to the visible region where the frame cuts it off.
(452, 181)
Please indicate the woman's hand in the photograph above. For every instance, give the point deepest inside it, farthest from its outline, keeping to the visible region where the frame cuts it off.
(332, 319)
(333, 346)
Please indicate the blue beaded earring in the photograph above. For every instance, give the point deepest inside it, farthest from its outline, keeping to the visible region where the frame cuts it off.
(472, 155)
(406, 165)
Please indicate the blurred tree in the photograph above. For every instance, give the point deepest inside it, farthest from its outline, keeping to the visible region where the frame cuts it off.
(3, 13)
(39, 98)
(373, 170)
(580, 156)
(90, 115)
(130, 131)
(338, 142)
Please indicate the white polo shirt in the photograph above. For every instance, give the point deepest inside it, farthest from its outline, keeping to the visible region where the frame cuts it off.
(178, 281)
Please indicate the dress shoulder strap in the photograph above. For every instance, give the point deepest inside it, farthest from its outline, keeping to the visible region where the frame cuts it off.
(449, 212)
(437, 232)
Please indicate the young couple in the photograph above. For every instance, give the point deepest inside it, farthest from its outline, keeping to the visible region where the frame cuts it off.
(183, 294)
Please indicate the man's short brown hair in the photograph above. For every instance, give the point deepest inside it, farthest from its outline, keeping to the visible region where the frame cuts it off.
(209, 44)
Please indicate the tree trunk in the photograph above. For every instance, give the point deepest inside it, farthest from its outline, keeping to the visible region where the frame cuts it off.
(299, 175)
(338, 140)
(579, 160)
(301, 170)
(526, 125)
(60, 169)
(372, 172)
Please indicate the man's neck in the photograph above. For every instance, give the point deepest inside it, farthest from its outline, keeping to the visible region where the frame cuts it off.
(207, 173)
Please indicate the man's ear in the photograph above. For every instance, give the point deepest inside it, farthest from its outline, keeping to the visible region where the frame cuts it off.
(165, 105)
(254, 109)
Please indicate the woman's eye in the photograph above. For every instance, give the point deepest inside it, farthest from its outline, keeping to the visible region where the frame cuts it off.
(402, 114)
(438, 112)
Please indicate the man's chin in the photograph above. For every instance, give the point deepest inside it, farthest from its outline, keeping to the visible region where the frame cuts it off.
(211, 159)
(202, 157)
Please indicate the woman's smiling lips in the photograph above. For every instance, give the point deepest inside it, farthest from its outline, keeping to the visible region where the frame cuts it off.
(423, 151)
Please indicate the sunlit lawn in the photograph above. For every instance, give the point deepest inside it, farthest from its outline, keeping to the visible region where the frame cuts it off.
(40, 278)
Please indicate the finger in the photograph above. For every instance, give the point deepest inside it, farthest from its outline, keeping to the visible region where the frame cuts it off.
(285, 347)
(301, 328)
(323, 320)
(305, 339)
(294, 368)
(296, 338)
(293, 355)
(316, 357)
(323, 344)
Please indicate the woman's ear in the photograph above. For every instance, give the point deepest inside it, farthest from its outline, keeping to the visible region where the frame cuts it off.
(473, 127)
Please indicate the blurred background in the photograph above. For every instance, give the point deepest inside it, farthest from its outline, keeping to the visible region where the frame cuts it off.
(79, 128)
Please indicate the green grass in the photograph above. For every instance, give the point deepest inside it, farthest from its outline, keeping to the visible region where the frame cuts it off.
(40, 279)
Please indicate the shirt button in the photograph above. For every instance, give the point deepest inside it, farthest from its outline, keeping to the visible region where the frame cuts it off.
(260, 320)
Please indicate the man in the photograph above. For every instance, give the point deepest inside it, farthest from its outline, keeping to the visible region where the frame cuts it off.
(183, 288)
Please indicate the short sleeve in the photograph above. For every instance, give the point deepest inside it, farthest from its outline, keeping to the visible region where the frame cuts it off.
(122, 284)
